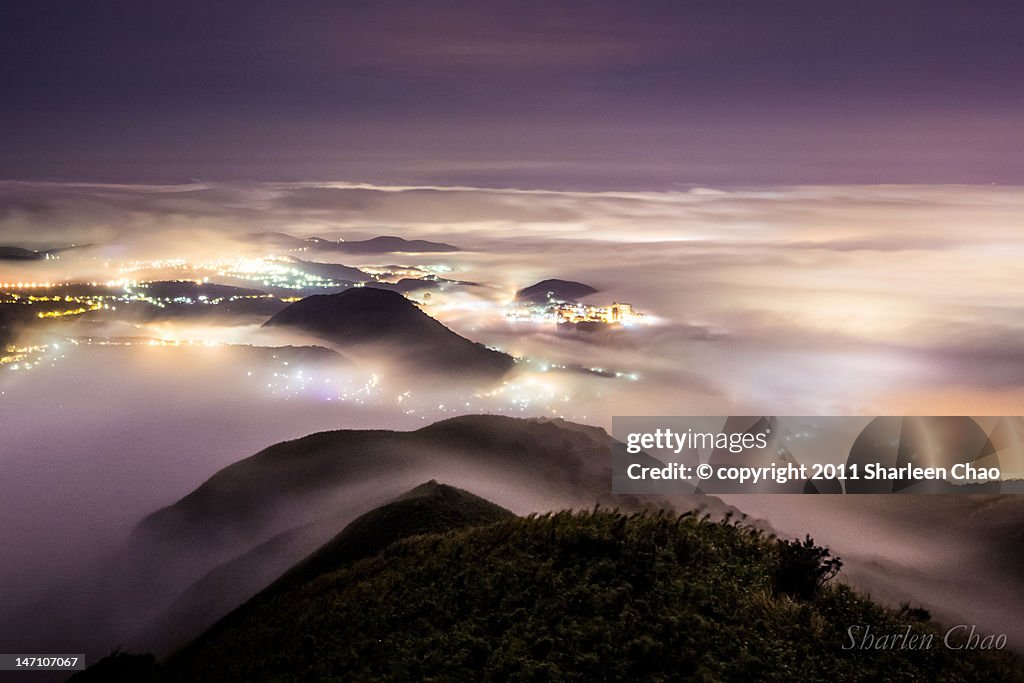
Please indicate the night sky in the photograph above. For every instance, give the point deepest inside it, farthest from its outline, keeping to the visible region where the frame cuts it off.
(543, 94)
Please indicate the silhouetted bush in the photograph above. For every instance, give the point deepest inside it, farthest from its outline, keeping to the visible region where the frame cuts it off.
(915, 613)
(803, 568)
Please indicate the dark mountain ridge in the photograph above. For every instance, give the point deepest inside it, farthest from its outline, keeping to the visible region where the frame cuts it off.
(428, 508)
(333, 271)
(570, 457)
(382, 320)
(170, 289)
(554, 290)
(8, 253)
(384, 244)
(388, 244)
(263, 514)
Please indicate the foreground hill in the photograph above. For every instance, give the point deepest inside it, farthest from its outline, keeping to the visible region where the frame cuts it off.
(573, 596)
(260, 516)
(521, 463)
(385, 322)
(430, 507)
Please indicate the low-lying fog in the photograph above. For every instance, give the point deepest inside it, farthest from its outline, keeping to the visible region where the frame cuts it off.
(798, 301)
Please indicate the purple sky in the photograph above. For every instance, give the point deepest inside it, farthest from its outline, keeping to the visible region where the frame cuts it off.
(588, 95)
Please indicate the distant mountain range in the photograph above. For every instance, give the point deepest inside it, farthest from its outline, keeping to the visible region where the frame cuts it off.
(333, 271)
(19, 254)
(554, 290)
(171, 289)
(380, 320)
(385, 244)
(12, 253)
(412, 284)
(388, 244)
(409, 284)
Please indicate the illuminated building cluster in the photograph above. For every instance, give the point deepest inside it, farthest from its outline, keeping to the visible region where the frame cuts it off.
(142, 341)
(135, 279)
(582, 313)
(92, 306)
(26, 357)
(163, 302)
(57, 302)
(53, 304)
(27, 285)
(575, 313)
(268, 271)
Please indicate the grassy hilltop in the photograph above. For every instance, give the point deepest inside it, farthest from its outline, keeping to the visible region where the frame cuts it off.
(571, 596)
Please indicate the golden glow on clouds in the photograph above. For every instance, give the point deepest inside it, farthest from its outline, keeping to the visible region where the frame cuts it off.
(799, 299)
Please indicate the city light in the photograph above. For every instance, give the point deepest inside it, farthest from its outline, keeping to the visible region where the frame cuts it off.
(614, 314)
